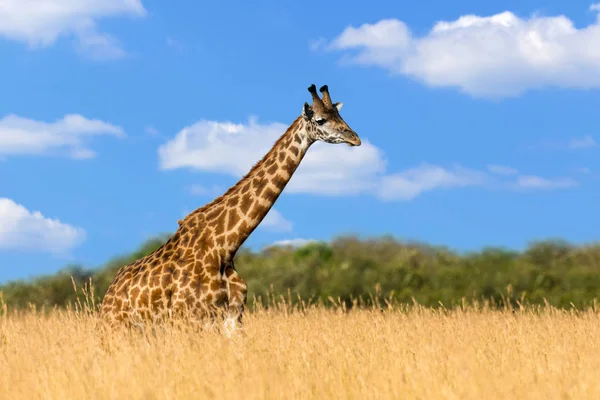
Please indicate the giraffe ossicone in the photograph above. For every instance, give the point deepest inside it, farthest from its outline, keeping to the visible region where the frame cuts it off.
(193, 275)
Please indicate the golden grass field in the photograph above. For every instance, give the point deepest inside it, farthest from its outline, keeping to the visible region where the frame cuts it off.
(317, 353)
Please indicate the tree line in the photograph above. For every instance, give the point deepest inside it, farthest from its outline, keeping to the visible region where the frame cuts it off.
(365, 271)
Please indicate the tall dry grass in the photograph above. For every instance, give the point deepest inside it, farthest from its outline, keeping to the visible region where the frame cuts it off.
(314, 353)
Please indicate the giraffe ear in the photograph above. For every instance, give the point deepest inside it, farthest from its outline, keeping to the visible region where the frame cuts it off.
(307, 111)
(339, 105)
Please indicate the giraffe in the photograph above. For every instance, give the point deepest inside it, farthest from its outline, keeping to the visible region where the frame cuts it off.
(193, 273)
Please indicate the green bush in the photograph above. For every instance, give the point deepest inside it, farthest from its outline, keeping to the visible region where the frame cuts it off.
(364, 271)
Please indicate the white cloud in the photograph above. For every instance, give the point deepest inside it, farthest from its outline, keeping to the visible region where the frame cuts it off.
(584, 142)
(502, 170)
(21, 229)
(583, 170)
(409, 184)
(232, 149)
(491, 56)
(71, 133)
(536, 182)
(299, 242)
(275, 222)
(40, 23)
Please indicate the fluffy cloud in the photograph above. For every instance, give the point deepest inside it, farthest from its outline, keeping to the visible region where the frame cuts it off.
(39, 23)
(486, 56)
(536, 182)
(584, 142)
(71, 133)
(275, 222)
(502, 170)
(21, 229)
(299, 242)
(411, 183)
(232, 149)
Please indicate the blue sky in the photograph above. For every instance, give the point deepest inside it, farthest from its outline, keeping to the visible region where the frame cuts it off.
(118, 117)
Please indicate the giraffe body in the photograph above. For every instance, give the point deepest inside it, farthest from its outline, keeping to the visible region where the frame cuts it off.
(193, 274)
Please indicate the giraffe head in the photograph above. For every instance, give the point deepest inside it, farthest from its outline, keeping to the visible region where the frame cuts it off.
(324, 120)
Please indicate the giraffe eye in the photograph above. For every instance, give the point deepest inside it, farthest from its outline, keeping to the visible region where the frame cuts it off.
(321, 121)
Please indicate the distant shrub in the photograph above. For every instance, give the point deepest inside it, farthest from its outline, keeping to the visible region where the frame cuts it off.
(357, 271)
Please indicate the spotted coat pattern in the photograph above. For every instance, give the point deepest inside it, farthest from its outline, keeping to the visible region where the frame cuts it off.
(193, 273)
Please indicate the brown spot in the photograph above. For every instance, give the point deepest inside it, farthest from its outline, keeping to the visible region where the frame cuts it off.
(257, 211)
(155, 279)
(185, 278)
(214, 213)
(290, 166)
(272, 170)
(281, 156)
(297, 139)
(185, 242)
(259, 185)
(234, 218)
(233, 238)
(176, 239)
(279, 182)
(189, 301)
(144, 280)
(221, 297)
(233, 200)
(196, 284)
(246, 203)
(143, 300)
(205, 279)
(199, 244)
(215, 285)
(218, 224)
(270, 195)
(295, 150)
(156, 297)
(258, 182)
(210, 258)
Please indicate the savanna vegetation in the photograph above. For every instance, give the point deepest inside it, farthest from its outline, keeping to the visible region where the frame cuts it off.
(311, 352)
(367, 271)
(434, 324)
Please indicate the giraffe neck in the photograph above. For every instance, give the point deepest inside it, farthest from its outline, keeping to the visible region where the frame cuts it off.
(235, 215)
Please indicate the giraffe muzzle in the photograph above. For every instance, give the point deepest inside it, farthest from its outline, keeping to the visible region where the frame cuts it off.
(353, 140)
